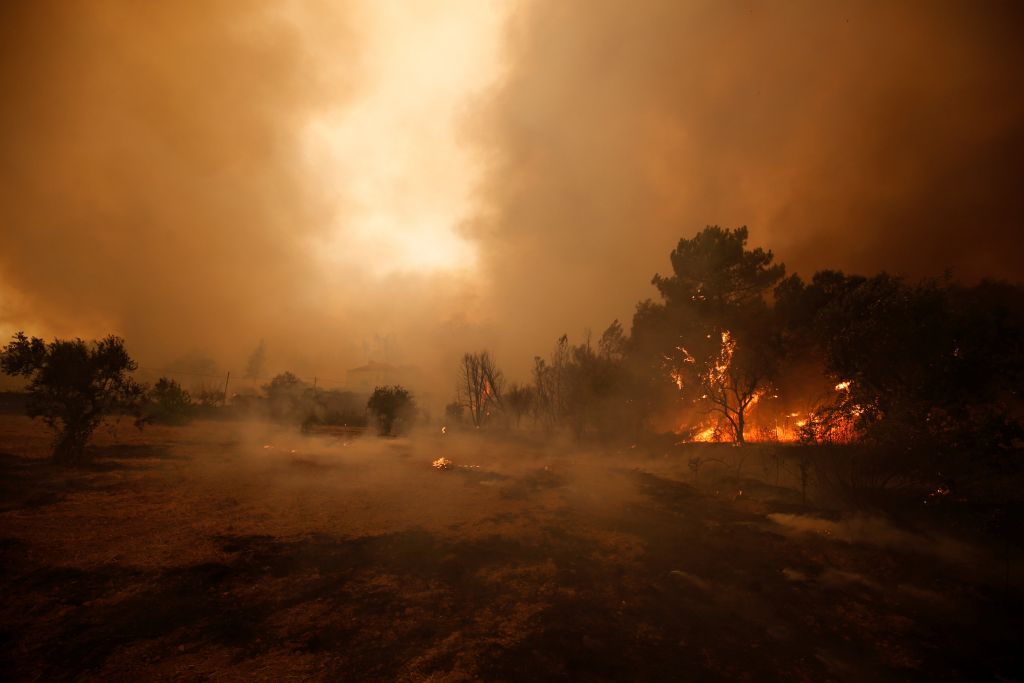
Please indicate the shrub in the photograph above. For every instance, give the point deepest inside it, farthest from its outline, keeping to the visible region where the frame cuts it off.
(168, 403)
(392, 408)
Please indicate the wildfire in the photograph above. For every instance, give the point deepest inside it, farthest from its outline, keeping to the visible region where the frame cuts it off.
(784, 430)
(677, 377)
(764, 425)
(718, 375)
(674, 373)
(708, 435)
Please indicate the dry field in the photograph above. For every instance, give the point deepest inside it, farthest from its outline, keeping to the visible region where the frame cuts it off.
(233, 551)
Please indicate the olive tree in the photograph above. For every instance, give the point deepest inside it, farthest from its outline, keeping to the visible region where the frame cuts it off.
(73, 385)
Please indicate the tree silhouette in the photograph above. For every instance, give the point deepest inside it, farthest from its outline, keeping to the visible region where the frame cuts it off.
(480, 386)
(518, 401)
(168, 403)
(392, 408)
(73, 386)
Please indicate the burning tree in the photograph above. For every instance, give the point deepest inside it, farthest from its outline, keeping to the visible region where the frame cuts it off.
(734, 380)
(713, 336)
(480, 386)
(73, 385)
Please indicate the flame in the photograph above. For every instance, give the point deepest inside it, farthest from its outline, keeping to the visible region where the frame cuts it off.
(677, 377)
(844, 385)
(707, 435)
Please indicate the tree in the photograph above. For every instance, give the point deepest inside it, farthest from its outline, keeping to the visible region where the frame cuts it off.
(713, 335)
(392, 408)
(735, 379)
(73, 385)
(288, 397)
(168, 403)
(926, 363)
(479, 386)
(254, 366)
(613, 342)
(714, 270)
(518, 400)
(550, 380)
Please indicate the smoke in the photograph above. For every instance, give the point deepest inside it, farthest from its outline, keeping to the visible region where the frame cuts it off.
(851, 135)
(168, 175)
(151, 185)
(199, 177)
(860, 529)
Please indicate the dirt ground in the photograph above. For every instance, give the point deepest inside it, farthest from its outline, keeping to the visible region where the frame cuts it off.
(231, 551)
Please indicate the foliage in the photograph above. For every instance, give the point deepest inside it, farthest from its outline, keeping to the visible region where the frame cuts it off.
(583, 389)
(73, 385)
(167, 403)
(550, 384)
(392, 408)
(933, 358)
(714, 271)
(712, 336)
(518, 401)
(288, 398)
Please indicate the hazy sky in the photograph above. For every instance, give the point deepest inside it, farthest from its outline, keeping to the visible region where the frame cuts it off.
(450, 174)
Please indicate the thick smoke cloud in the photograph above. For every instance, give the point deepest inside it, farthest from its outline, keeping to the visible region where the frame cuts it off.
(156, 180)
(852, 135)
(151, 182)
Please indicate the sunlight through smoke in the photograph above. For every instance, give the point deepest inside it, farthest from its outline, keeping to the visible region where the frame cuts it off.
(401, 176)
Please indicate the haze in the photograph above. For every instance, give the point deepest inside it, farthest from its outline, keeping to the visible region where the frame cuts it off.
(405, 181)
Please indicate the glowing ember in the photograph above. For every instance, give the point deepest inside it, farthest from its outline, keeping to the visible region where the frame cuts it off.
(443, 464)
(677, 377)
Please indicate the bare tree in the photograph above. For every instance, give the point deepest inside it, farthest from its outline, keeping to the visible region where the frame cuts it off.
(480, 386)
(550, 383)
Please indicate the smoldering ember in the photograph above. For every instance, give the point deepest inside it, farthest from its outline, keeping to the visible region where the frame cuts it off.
(511, 340)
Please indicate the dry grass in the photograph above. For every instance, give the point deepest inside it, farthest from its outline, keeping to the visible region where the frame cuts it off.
(200, 553)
